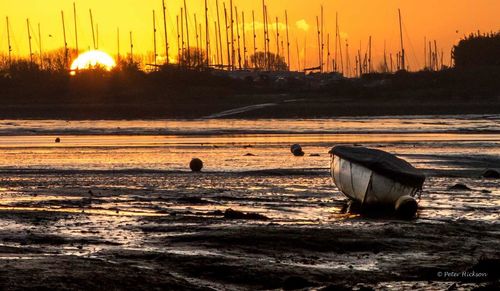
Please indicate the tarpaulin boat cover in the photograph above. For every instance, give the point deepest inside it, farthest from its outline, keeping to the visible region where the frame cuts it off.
(383, 163)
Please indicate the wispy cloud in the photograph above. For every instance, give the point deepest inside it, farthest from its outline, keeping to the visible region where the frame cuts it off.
(303, 25)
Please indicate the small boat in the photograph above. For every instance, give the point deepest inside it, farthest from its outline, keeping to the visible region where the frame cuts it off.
(376, 179)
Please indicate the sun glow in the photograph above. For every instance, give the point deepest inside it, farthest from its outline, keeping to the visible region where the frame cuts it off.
(91, 60)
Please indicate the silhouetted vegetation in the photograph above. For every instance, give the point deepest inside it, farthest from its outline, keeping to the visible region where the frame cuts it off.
(478, 50)
(193, 58)
(268, 61)
(51, 61)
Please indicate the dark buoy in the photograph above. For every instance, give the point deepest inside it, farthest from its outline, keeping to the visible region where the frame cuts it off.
(460, 187)
(491, 174)
(58, 140)
(235, 214)
(406, 207)
(296, 150)
(196, 165)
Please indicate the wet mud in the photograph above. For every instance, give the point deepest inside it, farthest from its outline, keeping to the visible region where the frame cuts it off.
(86, 214)
(100, 233)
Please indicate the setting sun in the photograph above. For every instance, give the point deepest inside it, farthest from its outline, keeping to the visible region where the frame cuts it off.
(92, 59)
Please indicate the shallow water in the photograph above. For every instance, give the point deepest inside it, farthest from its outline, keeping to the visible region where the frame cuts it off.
(234, 153)
(463, 145)
(406, 124)
(126, 185)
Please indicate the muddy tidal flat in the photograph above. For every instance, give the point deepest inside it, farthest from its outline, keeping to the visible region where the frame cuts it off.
(113, 206)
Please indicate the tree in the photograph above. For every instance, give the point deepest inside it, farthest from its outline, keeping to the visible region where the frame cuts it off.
(269, 61)
(478, 50)
(193, 58)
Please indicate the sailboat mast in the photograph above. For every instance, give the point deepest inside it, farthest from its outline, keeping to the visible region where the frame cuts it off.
(360, 64)
(217, 56)
(40, 45)
(29, 40)
(8, 41)
(245, 62)
(179, 46)
(287, 41)
(167, 57)
(154, 39)
(401, 36)
(254, 37)
(370, 54)
(233, 50)
(265, 32)
(76, 29)
(336, 41)
(268, 40)
(187, 33)
(425, 52)
(322, 54)
(392, 65)
(65, 42)
(197, 53)
(348, 63)
(182, 37)
(283, 51)
(319, 43)
(238, 36)
(328, 52)
(221, 58)
(227, 39)
(356, 70)
(431, 56)
(200, 61)
(207, 35)
(200, 52)
(365, 63)
(92, 25)
(131, 48)
(435, 56)
(298, 54)
(277, 40)
(340, 49)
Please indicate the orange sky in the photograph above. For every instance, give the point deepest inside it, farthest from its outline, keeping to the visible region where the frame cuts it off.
(434, 19)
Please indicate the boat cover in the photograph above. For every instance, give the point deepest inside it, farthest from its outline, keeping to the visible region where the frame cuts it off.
(383, 163)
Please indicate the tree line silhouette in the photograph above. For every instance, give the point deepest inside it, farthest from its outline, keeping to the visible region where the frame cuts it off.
(57, 61)
(476, 50)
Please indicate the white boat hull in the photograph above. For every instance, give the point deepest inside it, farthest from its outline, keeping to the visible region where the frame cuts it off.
(366, 186)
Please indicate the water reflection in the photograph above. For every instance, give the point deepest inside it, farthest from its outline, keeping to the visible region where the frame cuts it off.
(474, 123)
